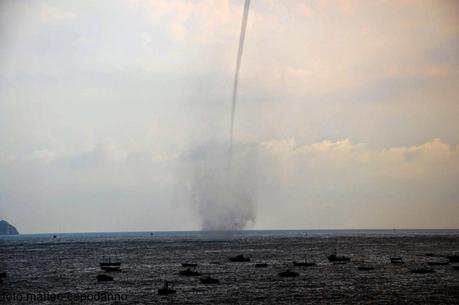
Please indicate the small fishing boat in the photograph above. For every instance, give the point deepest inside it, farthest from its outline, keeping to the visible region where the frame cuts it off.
(303, 264)
(166, 289)
(209, 280)
(335, 258)
(438, 263)
(104, 278)
(339, 262)
(365, 268)
(239, 258)
(396, 260)
(108, 265)
(422, 270)
(261, 265)
(288, 273)
(189, 272)
(453, 258)
(189, 265)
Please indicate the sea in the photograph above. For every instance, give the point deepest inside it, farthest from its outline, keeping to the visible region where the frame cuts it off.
(62, 268)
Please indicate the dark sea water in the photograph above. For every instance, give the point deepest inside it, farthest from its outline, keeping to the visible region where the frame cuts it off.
(39, 266)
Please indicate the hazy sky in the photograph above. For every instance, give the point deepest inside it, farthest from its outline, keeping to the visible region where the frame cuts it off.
(351, 106)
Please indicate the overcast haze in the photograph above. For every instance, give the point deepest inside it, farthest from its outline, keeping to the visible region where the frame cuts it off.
(351, 109)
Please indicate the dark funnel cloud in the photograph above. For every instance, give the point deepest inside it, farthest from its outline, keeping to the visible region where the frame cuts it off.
(240, 49)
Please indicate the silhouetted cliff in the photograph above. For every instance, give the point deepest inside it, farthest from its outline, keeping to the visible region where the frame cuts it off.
(7, 229)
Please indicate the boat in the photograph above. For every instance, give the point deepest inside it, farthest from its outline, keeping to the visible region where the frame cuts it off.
(104, 278)
(335, 258)
(209, 280)
(288, 273)
(189, 272)
(453, 258)
(396, 260)
(261, 265)
(2, 275)
(108, 265)
(303, 264)
(422, 270)
(438, 263)
(189, 265)
(166, 289)
(339, 262)
(365, 268)
(239, 258)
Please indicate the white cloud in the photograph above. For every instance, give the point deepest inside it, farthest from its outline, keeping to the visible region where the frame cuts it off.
(49, 13)
(326, 182)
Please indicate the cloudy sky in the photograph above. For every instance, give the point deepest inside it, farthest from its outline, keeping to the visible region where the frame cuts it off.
(352, 108)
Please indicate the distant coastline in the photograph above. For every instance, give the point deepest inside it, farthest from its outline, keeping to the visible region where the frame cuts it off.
(7, 229)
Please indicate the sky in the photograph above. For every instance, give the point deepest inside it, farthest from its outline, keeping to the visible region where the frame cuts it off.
(347, 113)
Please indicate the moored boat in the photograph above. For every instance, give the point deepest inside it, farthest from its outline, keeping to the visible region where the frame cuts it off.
(334, 257)
(189, 272)
(104, 278)
(288, 273)
(396, 260)
(108, 265)
(453, 258)
(239, 258)
(422, 270)
(166, 289)
(209, 280)
(365, 268)
(303, 263)
(438, 263)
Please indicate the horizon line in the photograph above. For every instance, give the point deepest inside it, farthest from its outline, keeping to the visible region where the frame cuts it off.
(241, 230)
